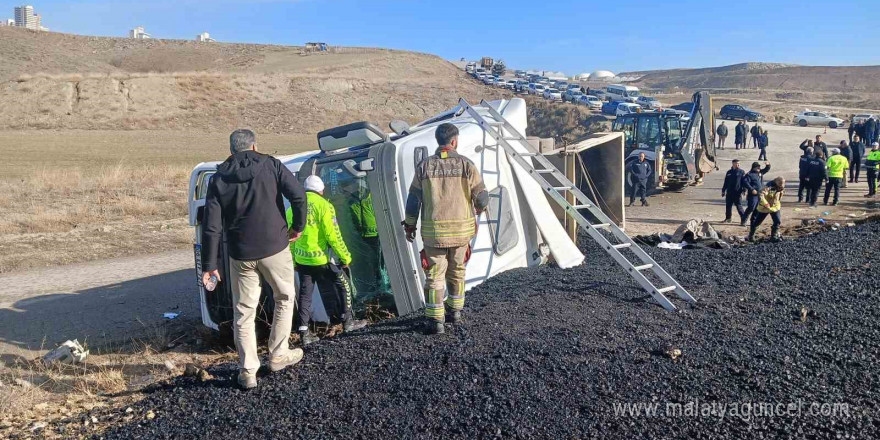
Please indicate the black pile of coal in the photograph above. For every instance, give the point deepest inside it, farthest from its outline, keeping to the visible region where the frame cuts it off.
(783, 343)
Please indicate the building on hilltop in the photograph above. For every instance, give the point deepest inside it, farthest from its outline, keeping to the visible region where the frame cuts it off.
(204, 37)
(139, 33)
(25, 17)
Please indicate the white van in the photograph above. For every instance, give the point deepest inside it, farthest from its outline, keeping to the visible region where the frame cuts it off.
(618, 92)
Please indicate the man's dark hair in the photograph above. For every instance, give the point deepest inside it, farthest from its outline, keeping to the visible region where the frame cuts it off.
(445, 133)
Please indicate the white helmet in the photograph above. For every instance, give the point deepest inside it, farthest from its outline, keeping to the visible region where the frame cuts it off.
(314, 183)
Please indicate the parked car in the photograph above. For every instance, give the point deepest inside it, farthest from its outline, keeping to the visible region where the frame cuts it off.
(537, 89)
(598, 93)
(593, 102)
(552, 94)
(574, 87)
(805, 118)
(648, 103)
(736, 111)
(572, 95)
(610, 107)
(857, 119)
(489, 80)
(521, 86)
(562, 85)
(625, 108)
(622, 93)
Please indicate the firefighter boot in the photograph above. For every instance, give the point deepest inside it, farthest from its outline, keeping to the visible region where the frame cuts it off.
(751, 234)
(454, 317)
(433, 327)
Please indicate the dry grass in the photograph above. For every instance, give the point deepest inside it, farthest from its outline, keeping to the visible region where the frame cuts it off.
(77, 196)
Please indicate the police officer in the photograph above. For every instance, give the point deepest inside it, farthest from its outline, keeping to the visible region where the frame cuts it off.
(770, 203)
(752, 184)
(816, 174)
(820, 146)
(732, 190)
(640, 171)
(314, 266)
(803, 167)
(872, 166)
(837, 165)
(446, 192)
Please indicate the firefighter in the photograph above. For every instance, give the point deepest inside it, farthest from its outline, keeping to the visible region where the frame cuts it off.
(770, 204)
(314, 266)
(837, 165)
(872, 166)
(446, 192)
(732, 190)
(752, 184)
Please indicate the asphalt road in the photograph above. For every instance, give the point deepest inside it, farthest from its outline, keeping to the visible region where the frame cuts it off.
(98, 302)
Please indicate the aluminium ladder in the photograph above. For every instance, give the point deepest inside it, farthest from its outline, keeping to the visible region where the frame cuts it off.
(503, 132)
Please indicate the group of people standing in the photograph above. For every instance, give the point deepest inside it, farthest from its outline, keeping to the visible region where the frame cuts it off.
(868, 131)
(742, 134)
(818, 165)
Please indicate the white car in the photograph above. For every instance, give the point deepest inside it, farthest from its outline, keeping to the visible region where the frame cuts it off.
(511, 84)
(858, 119)
(537, 89)
(522, 86)
(572, 95)
(648, 102)
(552, 94)
(592, 102)
(817, 118)
(625, 108)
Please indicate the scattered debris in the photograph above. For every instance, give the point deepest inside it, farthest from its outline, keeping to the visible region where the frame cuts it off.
(151, 415)
(673, 353)
(170, 315)
(804, 313)
(70, 352)
(170, 366)
(668, 245)
(38, 426)
(191, 370)
(23, 383)
(129, 410)
(204, 376)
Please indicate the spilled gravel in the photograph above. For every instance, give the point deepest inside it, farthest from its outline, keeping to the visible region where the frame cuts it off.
(551, 353)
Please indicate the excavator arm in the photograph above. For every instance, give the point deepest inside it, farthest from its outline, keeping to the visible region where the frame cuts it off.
(698, 139)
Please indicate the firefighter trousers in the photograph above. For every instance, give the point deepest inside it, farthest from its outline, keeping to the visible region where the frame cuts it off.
(446, 267)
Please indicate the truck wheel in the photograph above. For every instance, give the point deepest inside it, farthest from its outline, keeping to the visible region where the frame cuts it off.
(833, 124)
(802, 122)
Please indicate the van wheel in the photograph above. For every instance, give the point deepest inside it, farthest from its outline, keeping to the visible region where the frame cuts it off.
(802, 122)
(833, 124)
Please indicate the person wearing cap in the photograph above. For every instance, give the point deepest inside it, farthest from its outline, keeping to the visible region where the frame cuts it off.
(816, 175)
(314, 266)
(732, 190)
(872, 167)
(447, 194)
(837, 165)
(752, 184)
(770, 204)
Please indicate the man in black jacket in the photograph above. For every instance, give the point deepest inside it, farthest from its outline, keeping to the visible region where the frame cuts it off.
(732, 190)
(640, 171)
(245, 202)
(820, 146)
(739, 135)
(756, 133)
(803, 168)
(752, 184)
(855, 166)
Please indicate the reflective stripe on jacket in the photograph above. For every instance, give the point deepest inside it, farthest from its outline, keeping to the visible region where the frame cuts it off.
(872, 162)
(445, 191)
(836, 165)
(320, 235)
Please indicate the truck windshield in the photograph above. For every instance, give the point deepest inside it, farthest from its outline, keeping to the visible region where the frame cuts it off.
(353, 200)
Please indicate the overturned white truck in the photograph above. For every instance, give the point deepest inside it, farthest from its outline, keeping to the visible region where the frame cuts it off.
(361, 164)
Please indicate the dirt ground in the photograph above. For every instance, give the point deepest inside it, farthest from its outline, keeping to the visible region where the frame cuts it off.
(668, 210)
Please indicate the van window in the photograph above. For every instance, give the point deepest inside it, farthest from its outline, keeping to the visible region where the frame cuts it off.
(502, 224)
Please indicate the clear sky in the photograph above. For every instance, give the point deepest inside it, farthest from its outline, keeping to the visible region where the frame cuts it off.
(572, 36)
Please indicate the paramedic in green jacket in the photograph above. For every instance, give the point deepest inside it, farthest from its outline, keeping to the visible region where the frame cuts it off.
(314, 266)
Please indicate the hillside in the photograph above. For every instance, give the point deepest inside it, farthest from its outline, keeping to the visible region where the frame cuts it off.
(59, 81)
(767, 76)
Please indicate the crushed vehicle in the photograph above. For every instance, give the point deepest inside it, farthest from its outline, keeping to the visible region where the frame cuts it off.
(363, 165)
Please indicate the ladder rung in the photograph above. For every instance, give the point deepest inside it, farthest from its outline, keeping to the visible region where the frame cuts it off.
(544, 171)
(582, 206)
(563, 188)
(622, 245)
(601, 225)
(526, 154)
(493, 123)
(512, 139)
(643, 267)
(666, 289)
